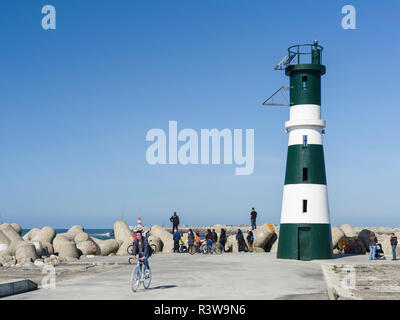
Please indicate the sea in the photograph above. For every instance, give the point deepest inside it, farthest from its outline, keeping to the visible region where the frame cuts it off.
(103, 234)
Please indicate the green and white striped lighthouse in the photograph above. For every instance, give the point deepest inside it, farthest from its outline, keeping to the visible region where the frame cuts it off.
(305, 232)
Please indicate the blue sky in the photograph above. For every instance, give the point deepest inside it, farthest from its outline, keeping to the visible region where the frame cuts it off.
(77, 102)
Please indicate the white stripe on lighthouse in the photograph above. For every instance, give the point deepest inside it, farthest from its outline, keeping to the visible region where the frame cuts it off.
(305, 120)
(297, 134)
(305, 111)
(317, 203)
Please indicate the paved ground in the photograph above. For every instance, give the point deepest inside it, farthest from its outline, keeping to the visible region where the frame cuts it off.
(229, 276)
(182, 276)
(356, 277)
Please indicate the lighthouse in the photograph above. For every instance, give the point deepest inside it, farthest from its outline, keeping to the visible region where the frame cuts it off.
(305, 231)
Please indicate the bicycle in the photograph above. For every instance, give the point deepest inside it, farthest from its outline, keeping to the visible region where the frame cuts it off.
(216, 247)
(140, 274)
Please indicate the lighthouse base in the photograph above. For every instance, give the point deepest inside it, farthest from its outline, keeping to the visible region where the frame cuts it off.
(305, 241)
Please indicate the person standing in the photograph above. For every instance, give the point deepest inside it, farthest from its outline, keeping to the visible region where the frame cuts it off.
(222, 238)
(175, 222)
(393, 242)
(176, 237)
(372, 246)
(190, 239)
(215, 236)
(198, 242)
(240, 240)
(209, 240)
(250, 240)
(181, 243)
(253, 217)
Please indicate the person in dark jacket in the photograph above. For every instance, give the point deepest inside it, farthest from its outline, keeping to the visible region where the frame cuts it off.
(250, 240)
(142, 248)
(253, 217)
(372, 246)
(176, 237)
(175, 222)
(190, 239)
(240, 240)
(393, 242)
(215, 236)
(209, 239)
(222, 238)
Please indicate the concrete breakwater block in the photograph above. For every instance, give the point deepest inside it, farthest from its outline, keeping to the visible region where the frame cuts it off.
(11, 287)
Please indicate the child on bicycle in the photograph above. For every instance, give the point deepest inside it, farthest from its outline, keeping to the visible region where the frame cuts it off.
(141, 247)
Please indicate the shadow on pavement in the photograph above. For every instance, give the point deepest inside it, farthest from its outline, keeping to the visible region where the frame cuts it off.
(162, 287)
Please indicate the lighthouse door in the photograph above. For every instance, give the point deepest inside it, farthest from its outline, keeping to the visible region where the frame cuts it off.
(304, 250)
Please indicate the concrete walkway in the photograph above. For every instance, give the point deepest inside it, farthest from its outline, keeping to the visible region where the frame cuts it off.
(183, 276)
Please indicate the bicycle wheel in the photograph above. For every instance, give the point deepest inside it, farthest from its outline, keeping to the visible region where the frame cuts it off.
(147, 278)
(129, 249)
(135, 278)
(203, 248)
(217, 248)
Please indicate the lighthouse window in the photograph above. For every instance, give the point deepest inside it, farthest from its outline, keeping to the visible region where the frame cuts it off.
(305, 174)
(305, 142)
(304, 206)
(304, 82)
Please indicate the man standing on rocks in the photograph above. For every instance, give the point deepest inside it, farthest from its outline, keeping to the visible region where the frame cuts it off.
(175, 222)
(253, 217)
(393, 242)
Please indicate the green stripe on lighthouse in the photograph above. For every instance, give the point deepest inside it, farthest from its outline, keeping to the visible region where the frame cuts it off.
(294, 237)
(310, 158)
(305, 83)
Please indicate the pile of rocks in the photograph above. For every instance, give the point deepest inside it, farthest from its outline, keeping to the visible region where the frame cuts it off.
(28, 250)
(43, 246)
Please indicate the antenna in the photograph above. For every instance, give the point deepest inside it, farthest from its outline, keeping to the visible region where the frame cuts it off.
(281, 97)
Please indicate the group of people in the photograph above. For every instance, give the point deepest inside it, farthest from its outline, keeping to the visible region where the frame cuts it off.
(211, 237)
(375, 249)
(142, 248)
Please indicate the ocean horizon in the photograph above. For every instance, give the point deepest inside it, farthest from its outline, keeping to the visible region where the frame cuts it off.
(103, 234)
